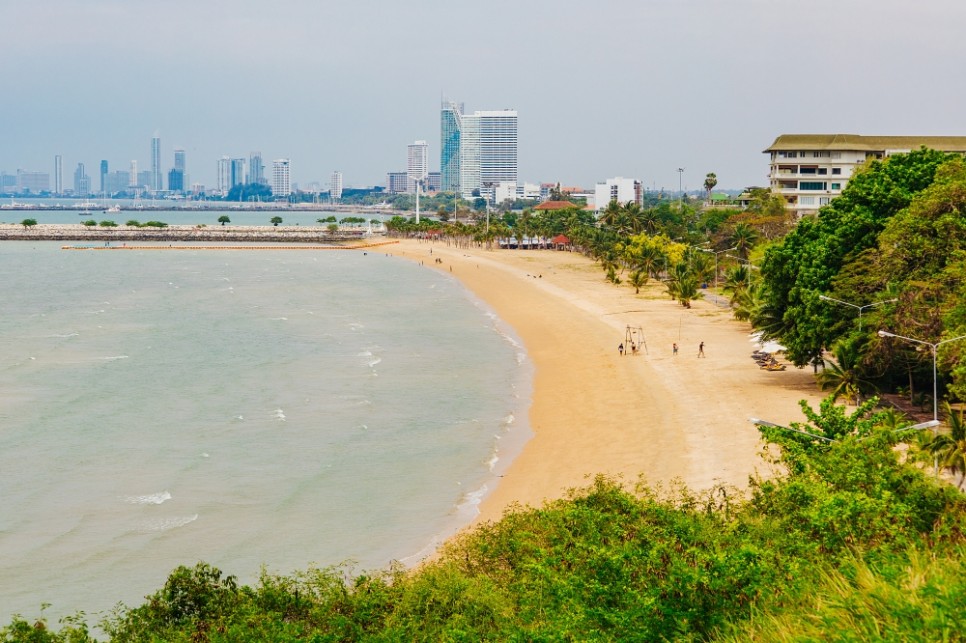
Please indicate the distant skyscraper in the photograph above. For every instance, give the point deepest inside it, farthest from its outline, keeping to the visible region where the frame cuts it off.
(133, 175)
(104, 177)
(82, 182)
(176, 180)
(256, 169)
(477, 149)
(179, 160)
(117, 181)
(156, 176)
(417, 164)
(335, 186)
(396, 182)
(281, 185)
(224, 174)
(32, 182)
(449, 146)
(237, 173)
(58, 174)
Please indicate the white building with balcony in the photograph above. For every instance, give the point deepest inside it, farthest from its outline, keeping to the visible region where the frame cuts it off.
(618, 189)
(809, 170)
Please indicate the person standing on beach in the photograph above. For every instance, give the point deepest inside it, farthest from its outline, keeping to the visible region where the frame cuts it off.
(620, 349)
(701, 349)
(674, 348)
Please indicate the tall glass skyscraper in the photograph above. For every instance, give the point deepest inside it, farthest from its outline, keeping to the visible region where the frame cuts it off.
(417, 164)
(256, 170)
(477, 149)
(449, 146)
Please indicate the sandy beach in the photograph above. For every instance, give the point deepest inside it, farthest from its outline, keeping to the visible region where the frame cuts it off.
(655, 415)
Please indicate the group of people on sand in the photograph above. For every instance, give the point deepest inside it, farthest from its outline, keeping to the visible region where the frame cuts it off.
(631, 350)
(674, 349)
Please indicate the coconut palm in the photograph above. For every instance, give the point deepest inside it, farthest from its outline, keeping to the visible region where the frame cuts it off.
(950, 448)
(844, 375)
(743, 238)
(637, 279)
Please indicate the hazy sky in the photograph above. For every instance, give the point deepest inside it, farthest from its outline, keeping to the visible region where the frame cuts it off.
(634, 88)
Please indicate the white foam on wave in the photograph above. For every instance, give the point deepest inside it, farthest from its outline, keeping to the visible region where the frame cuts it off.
(164, 524)
(279, 415)
(374, 361)
(149, 499)
(469, 504)
(509, 419)
(493, 459)
(65, 336)
(114, 357)
(356, 326)
(279, 319)
(240, 418)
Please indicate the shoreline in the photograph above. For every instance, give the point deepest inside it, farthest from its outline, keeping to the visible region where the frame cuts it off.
(654, 416)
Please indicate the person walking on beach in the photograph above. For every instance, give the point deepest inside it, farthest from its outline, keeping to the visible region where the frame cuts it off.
(674, 348)
(620, 349)
(701, 349)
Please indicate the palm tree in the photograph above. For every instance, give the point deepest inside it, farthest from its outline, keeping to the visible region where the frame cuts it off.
(710, 181)
(743, 238)
(844, 375)
(950, 449)
(638, 279)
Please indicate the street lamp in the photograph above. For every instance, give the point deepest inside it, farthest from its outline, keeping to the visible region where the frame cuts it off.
(716, 253)
(680, 189)
(489, 190)
(859, 308)
(760, 422)
(935, 386)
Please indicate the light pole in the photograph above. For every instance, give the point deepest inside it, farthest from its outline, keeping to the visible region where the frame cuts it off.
(935, 386)
(489, 190)
(716, 253)
(680, 189)
(859, 308)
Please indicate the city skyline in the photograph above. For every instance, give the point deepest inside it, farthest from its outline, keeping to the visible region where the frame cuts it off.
(624, 88)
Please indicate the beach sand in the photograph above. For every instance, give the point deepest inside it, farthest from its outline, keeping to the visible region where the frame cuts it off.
(652, 415)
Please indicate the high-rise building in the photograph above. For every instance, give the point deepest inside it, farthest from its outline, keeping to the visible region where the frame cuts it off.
(133, 174)
(449, 146)
(417, 164)
(156, 183)
(396, 182)
(335, 186)
(237, 173)
(479, 148)
(82, 182)
(224, 175)
(176, 180)
(116, 182)
(103, 177)
(281, 178)
(256, 170)
(179, 160)
(32, 182)
(58, 174)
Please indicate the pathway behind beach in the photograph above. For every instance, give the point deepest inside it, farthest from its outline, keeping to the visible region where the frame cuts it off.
(653, 414)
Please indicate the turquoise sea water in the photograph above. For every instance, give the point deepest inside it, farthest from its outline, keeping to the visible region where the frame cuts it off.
(246, 408)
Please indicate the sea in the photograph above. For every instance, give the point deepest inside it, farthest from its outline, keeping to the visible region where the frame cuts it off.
(259, 410)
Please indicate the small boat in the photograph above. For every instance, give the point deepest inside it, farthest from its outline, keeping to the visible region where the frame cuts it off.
(113, 209)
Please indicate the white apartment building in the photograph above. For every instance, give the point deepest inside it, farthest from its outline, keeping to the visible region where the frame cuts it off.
(809, 170)
(618, 189)
(335, 186)
(281, 182)
(417, 164)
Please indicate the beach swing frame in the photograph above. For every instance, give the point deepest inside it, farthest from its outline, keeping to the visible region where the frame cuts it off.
(634, 336)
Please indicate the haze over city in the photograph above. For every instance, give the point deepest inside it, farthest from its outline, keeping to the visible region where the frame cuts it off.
(614, 88)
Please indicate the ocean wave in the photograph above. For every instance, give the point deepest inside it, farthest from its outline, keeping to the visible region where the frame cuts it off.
(114, 357)
(164, 524)
(509, 419)
(469, 504)
(64, 336)
(279, 415)
(149, 499)
(279, 319)
(374, 361)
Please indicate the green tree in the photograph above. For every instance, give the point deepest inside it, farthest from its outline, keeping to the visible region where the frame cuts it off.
(710, 180)
(90, 223)
(275, 220)
(107, 224)
(132, 223)
(223, 219)
(843, 376)
(950, 448)
(28, 223)
(332, 228)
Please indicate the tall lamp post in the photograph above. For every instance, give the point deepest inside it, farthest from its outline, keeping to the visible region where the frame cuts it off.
(489, 191)
(716, 253)
(680, 189)
(934, 346)
(859, 308)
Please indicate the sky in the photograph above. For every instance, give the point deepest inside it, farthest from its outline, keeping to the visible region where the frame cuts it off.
(631, 88)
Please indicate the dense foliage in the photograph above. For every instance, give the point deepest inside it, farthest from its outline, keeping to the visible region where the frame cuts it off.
(850, 543)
